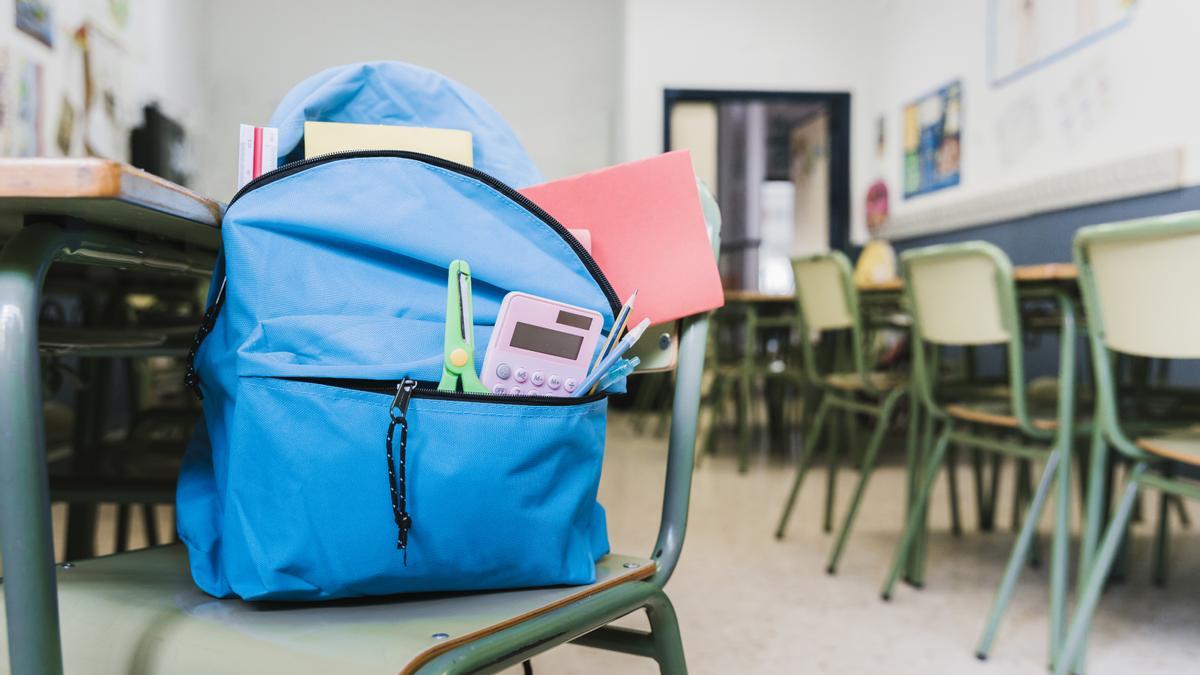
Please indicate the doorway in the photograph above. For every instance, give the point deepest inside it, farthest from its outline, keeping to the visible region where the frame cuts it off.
(779, 164)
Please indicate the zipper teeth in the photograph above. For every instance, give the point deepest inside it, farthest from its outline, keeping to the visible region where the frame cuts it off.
(430, 390)
(588, 261)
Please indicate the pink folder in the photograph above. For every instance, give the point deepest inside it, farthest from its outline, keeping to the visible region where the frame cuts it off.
(648, 233)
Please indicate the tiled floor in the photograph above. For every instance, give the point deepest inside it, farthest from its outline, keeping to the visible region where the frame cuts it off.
(750, 604)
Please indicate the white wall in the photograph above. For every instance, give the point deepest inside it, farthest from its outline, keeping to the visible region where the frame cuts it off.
(1138, 82)
(550, 68)
(1129, 93)
(791, 45)
(156, 54)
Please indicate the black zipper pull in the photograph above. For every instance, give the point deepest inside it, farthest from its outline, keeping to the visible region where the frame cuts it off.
(399, 415)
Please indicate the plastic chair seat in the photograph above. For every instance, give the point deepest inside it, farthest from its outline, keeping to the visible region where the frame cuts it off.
(999, 413)
(881, 381)
(140, 612)
(992, 404)
(1181, 445)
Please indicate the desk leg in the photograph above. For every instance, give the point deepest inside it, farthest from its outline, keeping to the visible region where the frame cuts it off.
(26, 539)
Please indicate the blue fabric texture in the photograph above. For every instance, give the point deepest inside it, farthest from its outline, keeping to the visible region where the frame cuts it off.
(388, 92)
(335, 273)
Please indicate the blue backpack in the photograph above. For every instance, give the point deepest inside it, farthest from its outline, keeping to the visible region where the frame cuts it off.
(328, 464)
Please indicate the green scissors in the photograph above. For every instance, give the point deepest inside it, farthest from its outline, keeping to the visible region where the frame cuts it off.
(458, 361)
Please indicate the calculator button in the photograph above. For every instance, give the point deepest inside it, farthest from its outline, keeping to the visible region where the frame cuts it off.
(515, 391)
(521, 375)
(570, 384)
(503, 371)
(537, 378)
(554, 381)
(498, 389)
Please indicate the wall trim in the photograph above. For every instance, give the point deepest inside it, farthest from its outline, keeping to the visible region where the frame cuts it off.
(1148, 173)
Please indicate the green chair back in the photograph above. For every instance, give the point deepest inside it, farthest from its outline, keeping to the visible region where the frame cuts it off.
(827, 299)
(964, 295)
(1139, 281)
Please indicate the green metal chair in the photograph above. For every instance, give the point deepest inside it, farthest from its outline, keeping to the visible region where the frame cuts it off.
(827, 300)
(962, 295)
(1139, 282)
(140, 612)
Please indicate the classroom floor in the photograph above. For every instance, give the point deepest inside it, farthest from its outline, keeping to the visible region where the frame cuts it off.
(750, 604)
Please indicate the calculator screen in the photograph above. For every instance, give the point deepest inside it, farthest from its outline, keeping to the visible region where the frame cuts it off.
(545, 341)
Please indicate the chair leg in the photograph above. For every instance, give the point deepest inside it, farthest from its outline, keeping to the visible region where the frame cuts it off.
(989, 518)
(916, 516)
(806, 455)
(952, 481)
(1181, 509)
(1161, 538)
(745, 421)
(664, 630)
(720, 385)
(1060, 553)
(1016, 559)
(1081, 622)
(981, 499)
(868, 465)
(833, 457)
(915, 572)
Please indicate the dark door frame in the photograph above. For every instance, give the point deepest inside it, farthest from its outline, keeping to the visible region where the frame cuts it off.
(836, 103)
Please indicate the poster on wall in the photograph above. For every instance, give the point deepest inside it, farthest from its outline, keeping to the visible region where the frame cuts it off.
(932, 137)
(1024, 35)
(27, 125)
(34, 17)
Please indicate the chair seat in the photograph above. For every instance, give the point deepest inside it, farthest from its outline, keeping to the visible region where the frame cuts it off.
(882, 381)
(1181, 446)
(992, 404)
(1000, 414)
(140, 612)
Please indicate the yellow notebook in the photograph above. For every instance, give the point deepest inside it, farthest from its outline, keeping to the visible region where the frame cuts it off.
(324, 137)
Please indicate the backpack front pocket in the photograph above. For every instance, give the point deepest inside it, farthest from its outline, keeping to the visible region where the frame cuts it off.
(501, 493)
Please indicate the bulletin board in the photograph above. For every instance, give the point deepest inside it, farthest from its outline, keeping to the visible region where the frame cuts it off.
(1024, 35)
(932, 141)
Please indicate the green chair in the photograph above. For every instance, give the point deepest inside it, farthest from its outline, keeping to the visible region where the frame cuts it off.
(964, 295)
(739, 366)
(827, 300)
(140, 612)
(1139, 282)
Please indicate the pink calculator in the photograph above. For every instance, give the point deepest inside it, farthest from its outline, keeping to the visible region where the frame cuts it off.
(540, 347)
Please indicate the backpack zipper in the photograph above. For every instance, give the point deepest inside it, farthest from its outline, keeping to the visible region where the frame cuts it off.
(191, 377)
(407, 389)
(429, 390)
(487, 179)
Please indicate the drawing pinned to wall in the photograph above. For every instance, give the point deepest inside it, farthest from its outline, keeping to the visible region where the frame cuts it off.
(932, 141)
(103, 125)
(1024, 35)
(5, 104)
(35, 18)
(66, 126)
(27, 128)
(1018, 129)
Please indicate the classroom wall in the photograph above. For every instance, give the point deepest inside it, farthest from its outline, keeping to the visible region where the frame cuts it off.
(789, 45)
(1123, 96)
(149, 56)
(550, 68)
(1126, 95)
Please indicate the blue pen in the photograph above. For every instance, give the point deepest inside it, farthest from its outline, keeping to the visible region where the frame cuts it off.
(607, 362)
(621, 370)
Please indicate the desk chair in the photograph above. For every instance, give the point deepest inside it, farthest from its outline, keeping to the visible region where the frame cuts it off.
(961, 295)
(1138, 281)
(739, 364)
(827, 300)
(153, 618)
